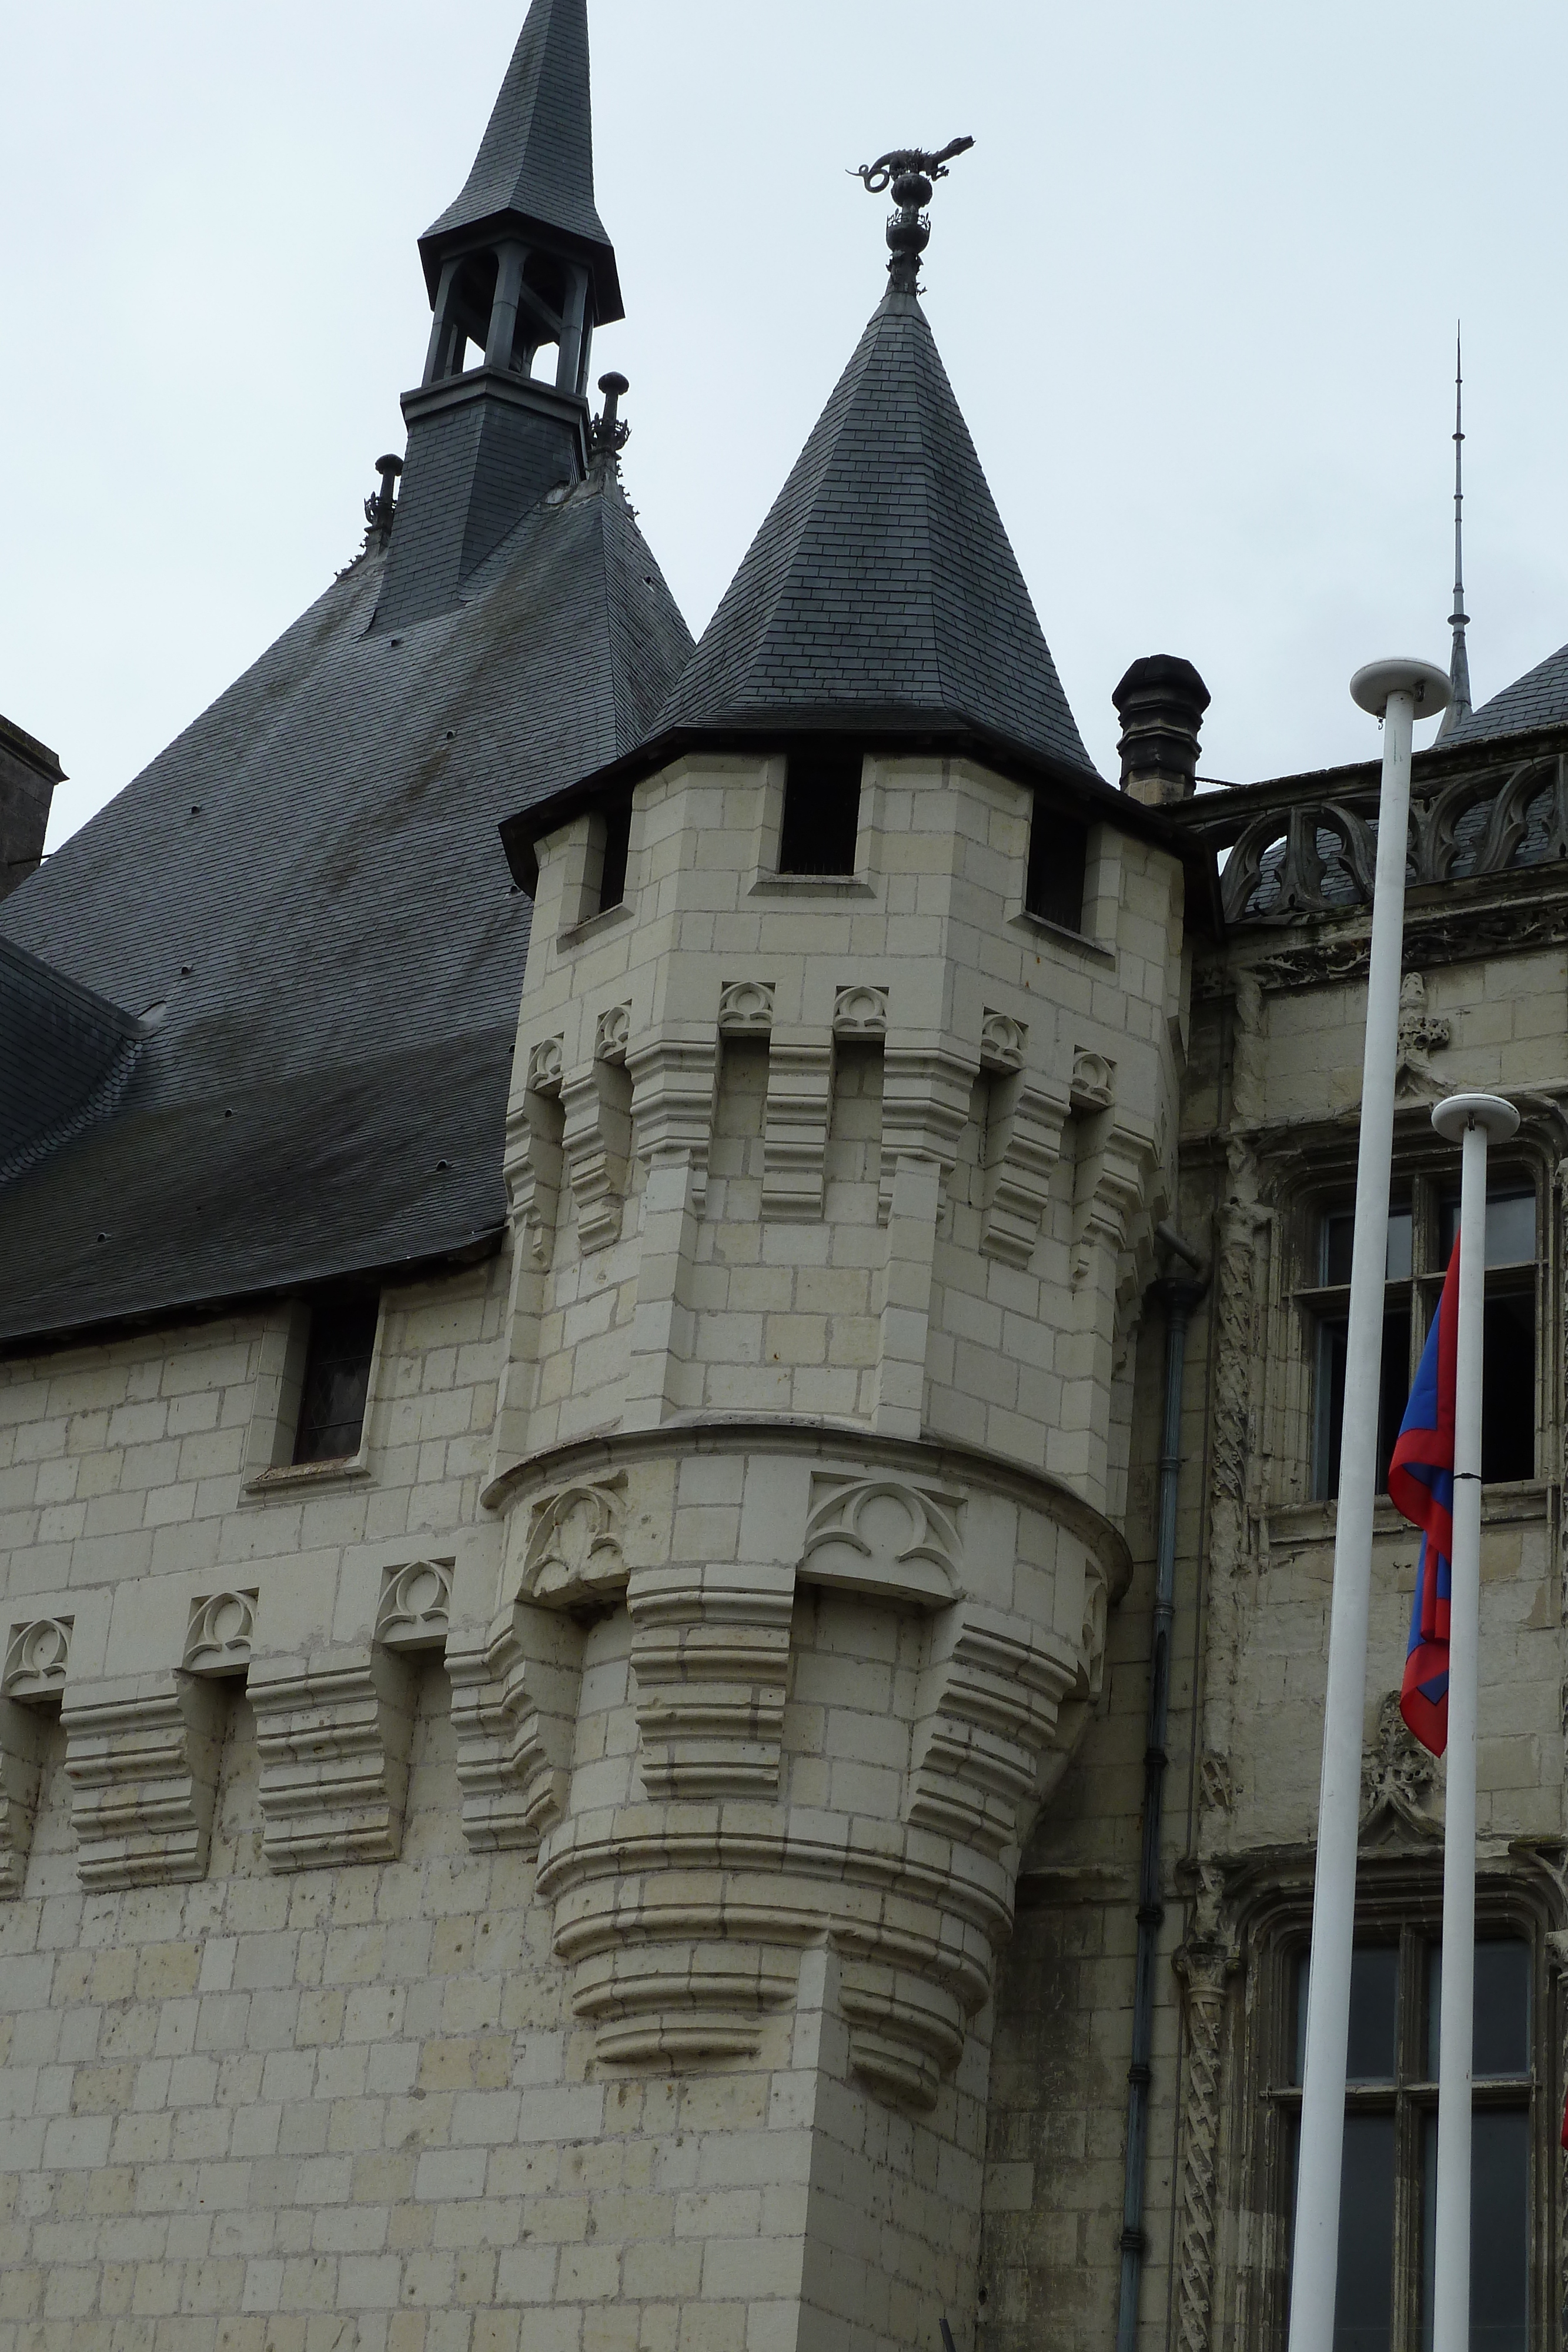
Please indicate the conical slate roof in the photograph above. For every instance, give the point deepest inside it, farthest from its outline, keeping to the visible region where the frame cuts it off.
(1538, 698)
(880, 591)
(305, 893)
(535, 164)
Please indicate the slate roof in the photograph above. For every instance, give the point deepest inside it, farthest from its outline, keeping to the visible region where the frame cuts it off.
(309, 882)
(535, 162)
(1538, 698)
(880, 591)
(64, 1052)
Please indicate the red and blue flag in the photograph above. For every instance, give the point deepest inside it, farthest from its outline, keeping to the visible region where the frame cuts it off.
(1421, 1485)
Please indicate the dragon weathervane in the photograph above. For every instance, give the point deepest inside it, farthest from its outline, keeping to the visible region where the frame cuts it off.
(909, 172)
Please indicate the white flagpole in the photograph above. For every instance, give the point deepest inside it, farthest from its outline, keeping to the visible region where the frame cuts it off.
(1472, 1122)
(1395, 691)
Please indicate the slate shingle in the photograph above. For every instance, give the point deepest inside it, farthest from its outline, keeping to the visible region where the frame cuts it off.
(880, 591)
(536, 160)
(310, 878)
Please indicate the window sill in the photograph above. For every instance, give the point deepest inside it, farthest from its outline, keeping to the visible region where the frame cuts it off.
(811, 885)
(291, 1477)
(576, 934)
(1042, 927)
(1304, 1523)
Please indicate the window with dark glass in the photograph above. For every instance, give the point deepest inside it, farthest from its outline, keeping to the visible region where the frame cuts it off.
(821, 809)
(1058, 864)
(336, 1382)
(617, 823)
(1388, 2192)
(1421, 1229)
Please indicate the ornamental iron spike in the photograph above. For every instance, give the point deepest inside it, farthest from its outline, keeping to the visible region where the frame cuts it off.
(909, 172)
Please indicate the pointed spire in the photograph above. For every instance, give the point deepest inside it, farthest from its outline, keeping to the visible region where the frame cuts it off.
(1459, 709)
(881, 595)
(534, 170)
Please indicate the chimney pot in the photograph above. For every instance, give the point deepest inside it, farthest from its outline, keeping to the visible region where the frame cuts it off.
(1160, 703)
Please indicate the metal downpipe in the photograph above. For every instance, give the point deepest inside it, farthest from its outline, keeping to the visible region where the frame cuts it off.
(1179, 1298)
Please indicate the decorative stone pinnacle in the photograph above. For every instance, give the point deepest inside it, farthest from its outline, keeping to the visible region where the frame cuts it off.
(380, 508)
(610, 433)
(910, 172)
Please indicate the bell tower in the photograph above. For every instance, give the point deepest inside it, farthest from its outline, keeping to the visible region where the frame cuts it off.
(518, 265)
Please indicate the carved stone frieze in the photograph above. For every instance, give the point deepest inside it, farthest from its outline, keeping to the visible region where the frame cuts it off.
(415, 1605)
(142, 1756)
(219, 1637)
(1399, 1779)
(1421, 1035)
(332, 1732)
(514, 1712)
(1319, 857)
(1204, 1962)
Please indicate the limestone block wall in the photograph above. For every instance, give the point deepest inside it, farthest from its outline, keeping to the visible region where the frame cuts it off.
(694, 1067)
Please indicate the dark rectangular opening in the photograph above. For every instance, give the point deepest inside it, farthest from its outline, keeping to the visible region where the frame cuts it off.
(821, 809)
(1058, 860)
(337, 1375)
(1393, 1395)
(617, 823)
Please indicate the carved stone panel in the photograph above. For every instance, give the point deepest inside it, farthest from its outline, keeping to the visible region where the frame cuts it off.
(574, 1559)
(36, 1656)
(218, 1638)
(746, 1008)
(885, 1536)
(416, 1604)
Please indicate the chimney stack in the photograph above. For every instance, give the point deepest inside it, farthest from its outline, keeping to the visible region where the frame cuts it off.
(1160, 703)
(29, 774)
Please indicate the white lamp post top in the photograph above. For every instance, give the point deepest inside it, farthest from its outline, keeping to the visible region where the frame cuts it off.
(1426, 686)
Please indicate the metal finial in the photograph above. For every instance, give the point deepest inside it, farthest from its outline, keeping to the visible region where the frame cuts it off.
(909, 172)
(1458, 663)
(610, 431)
(380, 509)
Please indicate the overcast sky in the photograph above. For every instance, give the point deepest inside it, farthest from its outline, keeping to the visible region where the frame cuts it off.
(1196, 288)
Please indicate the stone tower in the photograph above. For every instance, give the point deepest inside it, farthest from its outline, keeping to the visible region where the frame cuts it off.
(843, 1114)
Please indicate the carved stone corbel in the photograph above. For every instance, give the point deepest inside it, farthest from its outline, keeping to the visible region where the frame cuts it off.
(142, 1756)
(710, 1649)
(1023, 1145)
(514, 1711)
(333, 1731)
(532, 1162)
(795, 1129)
(992, 1686)
(596, 1146)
